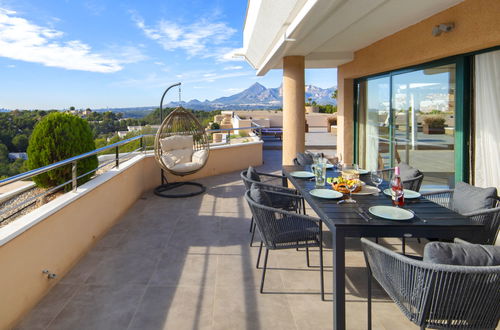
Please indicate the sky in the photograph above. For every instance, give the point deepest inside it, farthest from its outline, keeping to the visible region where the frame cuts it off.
(109, 53)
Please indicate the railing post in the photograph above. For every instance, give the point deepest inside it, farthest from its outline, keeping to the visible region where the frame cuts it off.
(142, 144)
(117, 159)
(74, 182)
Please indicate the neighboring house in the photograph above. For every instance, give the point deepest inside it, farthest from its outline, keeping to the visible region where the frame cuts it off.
(122, 134)
(16, 155)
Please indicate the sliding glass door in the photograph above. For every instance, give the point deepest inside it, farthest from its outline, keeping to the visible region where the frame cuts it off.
(409, 117)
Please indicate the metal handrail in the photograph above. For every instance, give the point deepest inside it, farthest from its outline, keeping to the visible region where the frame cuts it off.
(232, 129)
(72, 160)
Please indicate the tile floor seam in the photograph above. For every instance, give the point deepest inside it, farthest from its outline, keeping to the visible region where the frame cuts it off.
(146, 287)
(286, 298)
(151, 277)
(215, 293)
(65, 305)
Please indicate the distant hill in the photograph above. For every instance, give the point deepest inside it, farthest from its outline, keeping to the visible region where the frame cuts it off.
(256, 96)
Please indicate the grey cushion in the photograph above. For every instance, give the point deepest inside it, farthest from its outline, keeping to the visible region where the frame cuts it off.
(259, 196)
(467, 198)
(252, 174)
(304, 158)
(462, 254)
(407, 172)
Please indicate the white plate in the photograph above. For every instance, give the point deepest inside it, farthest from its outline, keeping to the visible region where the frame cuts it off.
(362, 172)
(409, 194)
(302, 174)
(326, 193)
(367, 190)
(391, 212)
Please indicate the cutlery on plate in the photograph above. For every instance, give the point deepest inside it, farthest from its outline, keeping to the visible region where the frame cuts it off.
(366, 213)
(363, 214)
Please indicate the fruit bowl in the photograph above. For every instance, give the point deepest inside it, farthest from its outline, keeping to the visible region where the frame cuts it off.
(340, 184)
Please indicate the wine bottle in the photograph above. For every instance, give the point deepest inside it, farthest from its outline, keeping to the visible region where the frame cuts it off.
(397, 190)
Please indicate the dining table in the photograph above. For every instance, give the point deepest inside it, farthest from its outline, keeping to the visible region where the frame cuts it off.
(347, 220)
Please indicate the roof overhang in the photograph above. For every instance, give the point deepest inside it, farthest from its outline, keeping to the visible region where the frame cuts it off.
(325, 32)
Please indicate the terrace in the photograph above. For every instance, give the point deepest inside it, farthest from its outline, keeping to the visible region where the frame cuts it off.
(170, 264)
(125, 258)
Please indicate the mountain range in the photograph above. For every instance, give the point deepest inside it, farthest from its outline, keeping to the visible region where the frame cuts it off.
(254, 97)
(258, 96)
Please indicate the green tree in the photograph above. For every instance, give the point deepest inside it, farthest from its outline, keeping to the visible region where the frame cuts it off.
(20, 142)
(17, 166)
(335, 94)
(4, 153)
(57, 137)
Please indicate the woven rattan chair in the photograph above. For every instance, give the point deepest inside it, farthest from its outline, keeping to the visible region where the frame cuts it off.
(435, 295)
(282, 229)
(181, 148)
(273, 182)
(490, 218)
(411, 184)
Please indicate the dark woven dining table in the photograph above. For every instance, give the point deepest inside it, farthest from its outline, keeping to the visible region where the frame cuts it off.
(351, 220)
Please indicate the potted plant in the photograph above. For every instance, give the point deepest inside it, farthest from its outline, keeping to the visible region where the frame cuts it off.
(311, 106)
(433, 125)
(331, 121)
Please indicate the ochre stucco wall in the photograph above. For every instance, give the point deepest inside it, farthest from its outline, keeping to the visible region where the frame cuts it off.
(220, 161)
(58, 241)
(477, 26)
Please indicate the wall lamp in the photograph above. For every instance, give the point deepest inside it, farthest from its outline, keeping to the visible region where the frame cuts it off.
(445, 27)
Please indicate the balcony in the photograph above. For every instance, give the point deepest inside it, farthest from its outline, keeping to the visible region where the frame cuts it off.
(187, 264)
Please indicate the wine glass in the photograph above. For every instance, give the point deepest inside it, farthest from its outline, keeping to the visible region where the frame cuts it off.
(351, 185)
(377, 179)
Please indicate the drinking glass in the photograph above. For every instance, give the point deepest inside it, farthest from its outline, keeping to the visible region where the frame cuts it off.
(351, 186)
(377, 178)
(350, 171)
(335, 163)
(320, 173)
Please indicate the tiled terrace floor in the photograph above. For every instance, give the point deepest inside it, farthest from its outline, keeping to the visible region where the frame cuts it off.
(186, 264)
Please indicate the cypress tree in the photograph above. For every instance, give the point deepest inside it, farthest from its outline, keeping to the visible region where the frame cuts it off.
(57, 137)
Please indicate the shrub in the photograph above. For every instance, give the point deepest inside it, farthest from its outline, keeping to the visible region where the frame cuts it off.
(332, 121)
(214, 126)
(434, 121)
(57, 137)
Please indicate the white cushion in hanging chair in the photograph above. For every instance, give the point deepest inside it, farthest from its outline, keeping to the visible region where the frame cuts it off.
(199, 156)
(178, 155)
(176, 142)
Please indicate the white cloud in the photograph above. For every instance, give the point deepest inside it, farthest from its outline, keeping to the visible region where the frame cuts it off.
(233, 67)
(154, 80)
(233, 90)
(126, 54)
(233, 55)
(202, 38)
(22, 40)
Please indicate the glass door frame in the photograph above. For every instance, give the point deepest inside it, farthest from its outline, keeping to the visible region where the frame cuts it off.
(463, 100)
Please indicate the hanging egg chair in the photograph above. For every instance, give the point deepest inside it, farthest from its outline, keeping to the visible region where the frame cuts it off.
(181, 148)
